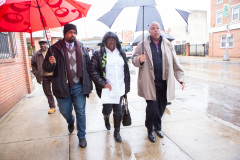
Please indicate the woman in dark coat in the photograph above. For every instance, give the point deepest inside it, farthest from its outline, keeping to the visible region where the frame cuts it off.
(109, 69)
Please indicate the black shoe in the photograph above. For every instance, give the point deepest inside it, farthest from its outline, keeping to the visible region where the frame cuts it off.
(82, 142)
(159, 133)
(151, 137)
(71, 128)
(107, 124)
(117, 135)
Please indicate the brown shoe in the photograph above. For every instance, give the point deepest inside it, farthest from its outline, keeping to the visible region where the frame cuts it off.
(51, 110)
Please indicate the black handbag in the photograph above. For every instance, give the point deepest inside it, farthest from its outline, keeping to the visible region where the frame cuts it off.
(126, 117)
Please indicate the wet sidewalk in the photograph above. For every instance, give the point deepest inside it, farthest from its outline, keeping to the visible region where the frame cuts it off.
(208, 59)
(29, 133)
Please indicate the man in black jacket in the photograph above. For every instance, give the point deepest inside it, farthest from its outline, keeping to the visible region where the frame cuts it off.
(71, 81)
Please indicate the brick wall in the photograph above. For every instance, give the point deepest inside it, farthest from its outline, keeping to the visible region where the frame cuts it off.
(214, 44)
(216, 7)
(220, 30)
(15, 77)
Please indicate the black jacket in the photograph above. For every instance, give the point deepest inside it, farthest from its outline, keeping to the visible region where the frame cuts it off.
(60, 84)
(97, 74)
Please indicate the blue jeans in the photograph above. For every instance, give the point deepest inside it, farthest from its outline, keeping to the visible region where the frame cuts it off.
(78, 100)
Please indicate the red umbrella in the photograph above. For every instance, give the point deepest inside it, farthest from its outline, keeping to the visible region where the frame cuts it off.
(11, 1)
(36, 15)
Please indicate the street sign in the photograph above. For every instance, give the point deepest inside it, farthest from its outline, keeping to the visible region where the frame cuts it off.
(48, 36)
(228, 33)
(225, 10)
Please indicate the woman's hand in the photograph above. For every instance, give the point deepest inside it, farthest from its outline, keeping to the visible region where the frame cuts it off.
(108, 86)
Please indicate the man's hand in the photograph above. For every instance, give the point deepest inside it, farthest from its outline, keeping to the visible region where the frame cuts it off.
(52, 60)
(183, 85)
(108, 86)
(142, 58)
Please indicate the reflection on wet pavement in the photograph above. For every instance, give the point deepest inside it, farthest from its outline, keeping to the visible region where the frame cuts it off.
(212, 88)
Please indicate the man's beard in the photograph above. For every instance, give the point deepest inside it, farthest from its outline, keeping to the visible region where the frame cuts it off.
(72, 39)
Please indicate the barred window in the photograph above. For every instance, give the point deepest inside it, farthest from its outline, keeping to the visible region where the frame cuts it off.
(8, 47)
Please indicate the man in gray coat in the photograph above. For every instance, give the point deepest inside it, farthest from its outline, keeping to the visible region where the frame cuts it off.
(158, 68)
(42, 77)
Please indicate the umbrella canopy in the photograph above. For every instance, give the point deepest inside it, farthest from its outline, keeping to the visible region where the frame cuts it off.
(184, 14)
(11, 1)
(150, 14)
(133, 3)
(26, 17)
(163, 34)
(146, 15)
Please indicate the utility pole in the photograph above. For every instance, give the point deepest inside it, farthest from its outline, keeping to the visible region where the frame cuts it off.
(226, 57)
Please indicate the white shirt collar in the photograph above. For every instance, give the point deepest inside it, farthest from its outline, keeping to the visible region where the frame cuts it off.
(67, 44)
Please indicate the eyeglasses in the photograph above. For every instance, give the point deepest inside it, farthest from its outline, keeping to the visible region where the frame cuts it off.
(111, 41)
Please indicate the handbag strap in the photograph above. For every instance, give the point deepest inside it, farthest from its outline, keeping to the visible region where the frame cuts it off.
(126, 104)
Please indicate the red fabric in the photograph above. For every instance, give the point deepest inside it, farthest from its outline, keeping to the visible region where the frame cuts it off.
(19, 17)
(11, 1)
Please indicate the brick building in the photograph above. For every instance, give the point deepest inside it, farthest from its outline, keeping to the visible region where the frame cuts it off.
(15, 76)
(218, 29)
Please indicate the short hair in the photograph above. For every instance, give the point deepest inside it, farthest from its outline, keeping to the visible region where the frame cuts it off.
(154, 22)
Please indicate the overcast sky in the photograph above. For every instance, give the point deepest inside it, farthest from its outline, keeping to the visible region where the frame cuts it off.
(89, 26)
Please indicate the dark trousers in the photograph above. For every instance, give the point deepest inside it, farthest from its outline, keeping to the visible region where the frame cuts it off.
(117, 108)
(47, 81)
(156, 108)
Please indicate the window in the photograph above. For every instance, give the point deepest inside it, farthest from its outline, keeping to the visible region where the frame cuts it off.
(219, 17)
(224, 40)
(219, 1)
(7, 45)
(235, 13)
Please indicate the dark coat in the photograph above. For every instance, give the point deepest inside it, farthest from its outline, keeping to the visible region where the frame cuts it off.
(97, 74)
(36, 64)
(60, 85)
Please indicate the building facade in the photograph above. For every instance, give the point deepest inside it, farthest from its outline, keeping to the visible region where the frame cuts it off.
(15, 76)
(195, 32)
(218, 28)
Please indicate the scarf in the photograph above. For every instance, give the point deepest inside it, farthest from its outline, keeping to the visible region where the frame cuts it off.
(79, 61)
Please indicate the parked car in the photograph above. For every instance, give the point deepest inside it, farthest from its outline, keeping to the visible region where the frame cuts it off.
(128, 49)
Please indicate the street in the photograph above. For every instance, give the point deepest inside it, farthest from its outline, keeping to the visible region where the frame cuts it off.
(212, 88)
(201, 123)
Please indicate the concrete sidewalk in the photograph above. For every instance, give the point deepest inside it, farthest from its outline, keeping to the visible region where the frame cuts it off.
(29, 133)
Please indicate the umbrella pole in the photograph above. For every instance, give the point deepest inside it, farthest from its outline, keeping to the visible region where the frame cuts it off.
(143, 33)
(44, 27)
